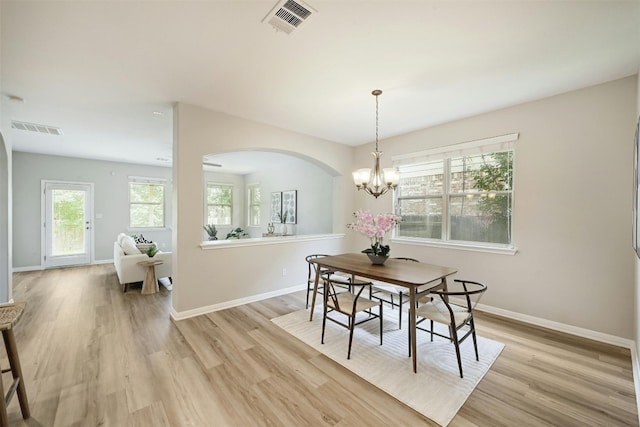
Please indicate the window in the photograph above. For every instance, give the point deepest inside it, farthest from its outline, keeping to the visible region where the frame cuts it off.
(146, 203)
(253, 203)
(463, 195)
(219, 204)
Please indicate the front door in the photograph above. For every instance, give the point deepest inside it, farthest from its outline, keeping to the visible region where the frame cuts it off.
(67, 223)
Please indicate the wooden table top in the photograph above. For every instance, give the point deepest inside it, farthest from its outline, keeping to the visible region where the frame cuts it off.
(150, 262)
(394, 271)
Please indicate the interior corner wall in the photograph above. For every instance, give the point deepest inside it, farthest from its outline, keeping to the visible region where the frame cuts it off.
(636, 261)
(572, 180)
(208, 277)
(6, 271)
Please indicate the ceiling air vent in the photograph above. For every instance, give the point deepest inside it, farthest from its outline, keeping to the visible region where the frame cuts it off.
(34, 127)
(287, 15)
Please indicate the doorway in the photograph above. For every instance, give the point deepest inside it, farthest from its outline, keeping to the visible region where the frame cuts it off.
(67, 223)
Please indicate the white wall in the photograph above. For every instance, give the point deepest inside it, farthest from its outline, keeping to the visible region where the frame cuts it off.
(572, 208)
(205, 278)
(314, 186)
(111, 201)
(314, 196)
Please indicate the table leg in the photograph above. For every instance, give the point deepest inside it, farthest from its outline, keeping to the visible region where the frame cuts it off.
(412, 327)
(150, 284)
(315, 292)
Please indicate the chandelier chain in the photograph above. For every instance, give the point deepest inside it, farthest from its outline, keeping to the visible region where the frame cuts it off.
(376, 122)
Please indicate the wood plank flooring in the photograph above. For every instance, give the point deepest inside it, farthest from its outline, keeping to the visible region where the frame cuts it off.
(93, 356)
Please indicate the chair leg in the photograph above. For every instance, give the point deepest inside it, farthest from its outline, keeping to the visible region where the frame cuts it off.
(454, 336)
(307, 304)
(409, 342)
(324, 319)
(351, 327)
(381, 322)
(4, 419)
(400, 311)
(431, 329)
(16, 371)
(473, 335)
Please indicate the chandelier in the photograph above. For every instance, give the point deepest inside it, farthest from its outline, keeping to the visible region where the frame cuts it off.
(382, 180)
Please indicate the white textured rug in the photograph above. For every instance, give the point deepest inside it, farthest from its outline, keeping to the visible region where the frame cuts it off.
(436, 391)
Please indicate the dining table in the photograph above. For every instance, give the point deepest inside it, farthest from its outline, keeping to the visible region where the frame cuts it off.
(418, 277)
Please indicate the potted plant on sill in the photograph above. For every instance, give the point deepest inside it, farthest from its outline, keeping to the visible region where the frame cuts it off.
(212, 231)
(237, 233)
(282, 216)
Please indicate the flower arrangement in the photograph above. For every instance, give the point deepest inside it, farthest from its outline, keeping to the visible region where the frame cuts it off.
(282, 216)
(374, 227)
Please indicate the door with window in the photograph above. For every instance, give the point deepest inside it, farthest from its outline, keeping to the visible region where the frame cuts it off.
(67, 223)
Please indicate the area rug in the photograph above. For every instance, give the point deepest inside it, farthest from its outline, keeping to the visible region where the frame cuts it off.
(436, 391)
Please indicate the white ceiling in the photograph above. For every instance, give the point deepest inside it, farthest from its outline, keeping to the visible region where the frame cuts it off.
(100, 69)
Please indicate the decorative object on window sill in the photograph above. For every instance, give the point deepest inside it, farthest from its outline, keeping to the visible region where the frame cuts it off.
(382, 180)
(282, 216)
(270, 228)
(237, 233)
(375, 228)
(212, 231)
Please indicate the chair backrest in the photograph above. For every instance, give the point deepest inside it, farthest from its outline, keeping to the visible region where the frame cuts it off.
(470, 292)
(312, 267)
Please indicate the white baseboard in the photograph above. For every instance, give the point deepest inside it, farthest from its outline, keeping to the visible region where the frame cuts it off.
(41, 267)
(561, 327)
(175, 315)
(29, 268)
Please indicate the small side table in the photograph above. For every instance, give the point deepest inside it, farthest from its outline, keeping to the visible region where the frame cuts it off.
(150, 284)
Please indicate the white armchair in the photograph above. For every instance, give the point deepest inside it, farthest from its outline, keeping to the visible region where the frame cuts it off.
(125, 260)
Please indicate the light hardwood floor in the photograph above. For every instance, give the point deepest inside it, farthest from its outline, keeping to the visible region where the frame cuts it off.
(93, 356)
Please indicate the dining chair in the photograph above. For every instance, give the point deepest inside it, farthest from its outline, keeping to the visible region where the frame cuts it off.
(382, 290)
(454, 308)
(349, 303)
(339, 278)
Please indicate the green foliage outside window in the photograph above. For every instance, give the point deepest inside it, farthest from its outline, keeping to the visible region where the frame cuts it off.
(146, 205)
(476, 191)
(219, 204)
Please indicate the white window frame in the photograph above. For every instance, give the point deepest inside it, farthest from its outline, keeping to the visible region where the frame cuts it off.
(150, 181)
(445, 154)
(206, 201)
(250, 189)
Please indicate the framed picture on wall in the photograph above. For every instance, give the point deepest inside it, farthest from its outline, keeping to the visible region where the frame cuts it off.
(635, 234)
(290, 206)
(276, 206)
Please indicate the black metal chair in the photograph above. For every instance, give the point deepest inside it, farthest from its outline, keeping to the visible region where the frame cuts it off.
(349, 303)
(325, 274)
(454, 308)
(381, 291)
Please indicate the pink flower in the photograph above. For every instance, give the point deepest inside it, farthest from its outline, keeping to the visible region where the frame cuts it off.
(374, 228)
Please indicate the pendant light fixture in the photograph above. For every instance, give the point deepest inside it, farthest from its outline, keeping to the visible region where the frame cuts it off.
(382, 180)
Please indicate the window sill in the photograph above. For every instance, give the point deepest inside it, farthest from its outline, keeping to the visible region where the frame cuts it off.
(504, 250)
(257, 241)
(142, 229)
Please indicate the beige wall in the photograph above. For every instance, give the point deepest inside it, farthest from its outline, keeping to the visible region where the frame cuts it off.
(572, 208)
(213, 277)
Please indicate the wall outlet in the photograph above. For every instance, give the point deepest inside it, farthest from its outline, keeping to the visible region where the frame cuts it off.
(284, 272)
